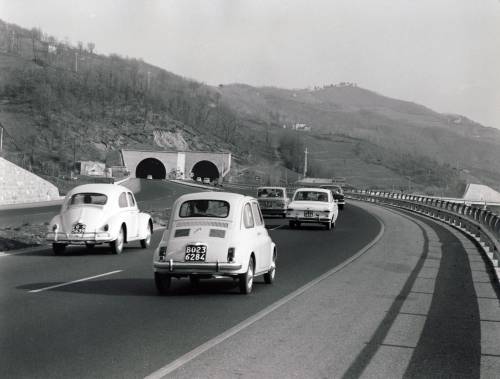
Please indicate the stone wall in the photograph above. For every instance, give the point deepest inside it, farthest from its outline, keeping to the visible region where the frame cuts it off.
(18, 185)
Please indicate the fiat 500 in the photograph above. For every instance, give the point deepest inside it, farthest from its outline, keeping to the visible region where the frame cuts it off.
(93, 214)
(312, 205)
(215, 234)
(273, 200)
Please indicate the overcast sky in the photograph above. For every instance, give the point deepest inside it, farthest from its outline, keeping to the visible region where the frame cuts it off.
(444, 54)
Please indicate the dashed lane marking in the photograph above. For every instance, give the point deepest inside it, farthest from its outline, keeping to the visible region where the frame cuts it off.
(75, 281)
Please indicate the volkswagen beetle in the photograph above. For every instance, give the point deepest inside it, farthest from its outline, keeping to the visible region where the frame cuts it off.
(312, 205)
(215, 234)
(93, 214)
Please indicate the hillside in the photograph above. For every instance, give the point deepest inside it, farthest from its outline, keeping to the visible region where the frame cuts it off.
(395, 127)
(61, 103)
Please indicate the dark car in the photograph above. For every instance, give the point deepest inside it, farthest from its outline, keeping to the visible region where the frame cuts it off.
(338, 194)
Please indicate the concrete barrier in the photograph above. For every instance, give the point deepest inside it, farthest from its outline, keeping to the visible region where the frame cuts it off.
(18, 185)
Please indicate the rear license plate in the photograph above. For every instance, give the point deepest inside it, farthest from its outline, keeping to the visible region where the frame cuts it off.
(78, 229)
(195, 253)
(308, 214)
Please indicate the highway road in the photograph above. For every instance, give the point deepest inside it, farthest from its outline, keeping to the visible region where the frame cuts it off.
(382, 295)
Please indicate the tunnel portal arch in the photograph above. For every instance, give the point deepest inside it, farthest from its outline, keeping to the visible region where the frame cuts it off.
(151, 166)
(205, 169)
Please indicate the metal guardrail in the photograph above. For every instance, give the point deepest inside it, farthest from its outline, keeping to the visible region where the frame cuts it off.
(481, 223)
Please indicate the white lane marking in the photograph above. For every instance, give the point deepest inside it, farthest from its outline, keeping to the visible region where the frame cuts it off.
(277, 227)
(75, 281)
(174, 365)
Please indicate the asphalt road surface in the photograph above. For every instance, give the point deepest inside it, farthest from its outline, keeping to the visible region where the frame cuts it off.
(97, 315)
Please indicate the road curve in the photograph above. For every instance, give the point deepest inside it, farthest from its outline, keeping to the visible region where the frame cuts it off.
(418, 303)
(116, 326)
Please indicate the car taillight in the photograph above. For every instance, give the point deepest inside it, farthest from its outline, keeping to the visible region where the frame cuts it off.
(105, 227)
(162, 253)
(54, 227)
(230, 254)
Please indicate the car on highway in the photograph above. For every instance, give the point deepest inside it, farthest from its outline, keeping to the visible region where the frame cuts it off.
(93, 214)
(273, 200)
(213, 234)
(338, 194)
(312, 205)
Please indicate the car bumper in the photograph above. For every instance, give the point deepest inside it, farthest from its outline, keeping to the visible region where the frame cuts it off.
(273, 211)
(79, 239)
(318, 220)
(187, 268)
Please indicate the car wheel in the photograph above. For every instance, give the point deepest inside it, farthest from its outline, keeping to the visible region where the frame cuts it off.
(328, 225)
(58, 248)
(162, 282)
(90, 246)
(341, 206)
(146, 241)
(246, 279)
(291, 224)
(117, 244)
(194, 280)
(271, 274)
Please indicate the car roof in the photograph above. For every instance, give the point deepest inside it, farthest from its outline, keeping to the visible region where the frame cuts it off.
(104, 188)
(315, 189)
(215, 195)
(271, 187)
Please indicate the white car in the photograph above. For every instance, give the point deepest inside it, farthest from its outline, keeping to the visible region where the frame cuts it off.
(273, 200)
(93, 214)
(312, 205)
(215, 234)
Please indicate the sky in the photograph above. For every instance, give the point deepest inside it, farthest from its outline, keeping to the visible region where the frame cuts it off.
(444, 54)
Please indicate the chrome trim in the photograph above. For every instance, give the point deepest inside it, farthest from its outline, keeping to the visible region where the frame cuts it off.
(197, 266)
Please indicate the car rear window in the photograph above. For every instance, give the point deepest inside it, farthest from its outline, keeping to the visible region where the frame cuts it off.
(204, 208)
(311, 196)
(270, 192)
(88, 198)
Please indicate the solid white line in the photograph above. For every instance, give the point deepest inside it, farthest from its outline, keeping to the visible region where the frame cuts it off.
(174, 365)
(75, 281)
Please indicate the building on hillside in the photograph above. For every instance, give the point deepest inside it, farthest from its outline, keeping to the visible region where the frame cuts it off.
(298, 127)
(90, 168)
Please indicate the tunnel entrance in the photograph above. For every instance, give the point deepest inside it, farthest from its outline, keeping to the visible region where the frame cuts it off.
(205, 169)
(150, 167)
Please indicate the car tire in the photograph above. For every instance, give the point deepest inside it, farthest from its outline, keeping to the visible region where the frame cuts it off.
(58, 248)
(271, 274)
(90, 246)
(146, 242)
(194, 280)
(117, 244)
(291, 224)
(162, 282)
(328, 225)
(341, 207)
(246, 279)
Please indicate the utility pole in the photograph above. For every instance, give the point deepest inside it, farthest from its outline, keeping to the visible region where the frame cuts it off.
(1, 139)
(305, 162)
(149, 79)
(76, 61)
